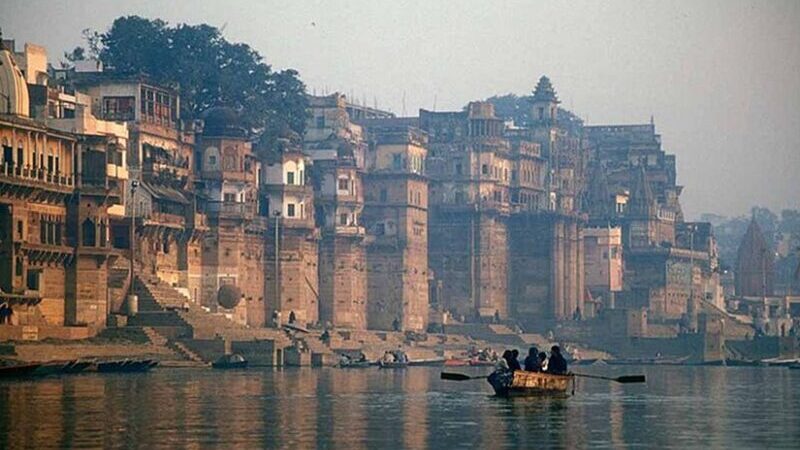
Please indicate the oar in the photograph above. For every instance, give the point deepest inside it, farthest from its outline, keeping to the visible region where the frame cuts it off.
(622, 379)
(459, 376)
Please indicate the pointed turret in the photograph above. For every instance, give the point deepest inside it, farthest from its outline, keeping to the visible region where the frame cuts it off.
(754, 264)
(545, 101)
(642, 201)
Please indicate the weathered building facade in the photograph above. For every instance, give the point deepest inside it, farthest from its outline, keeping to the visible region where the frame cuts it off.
(338, 148)
(396, 217)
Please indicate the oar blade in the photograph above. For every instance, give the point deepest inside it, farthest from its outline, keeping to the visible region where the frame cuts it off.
(630, 379)
(455, 376)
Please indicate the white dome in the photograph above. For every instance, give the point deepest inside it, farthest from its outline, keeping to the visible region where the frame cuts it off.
(13, 88)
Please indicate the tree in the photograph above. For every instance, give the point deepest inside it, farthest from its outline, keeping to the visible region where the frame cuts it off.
(208, 70)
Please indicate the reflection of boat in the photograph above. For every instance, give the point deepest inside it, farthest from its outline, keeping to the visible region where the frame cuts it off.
(648, 361)
(392, 365)
(50, 368)
(480, 362)
(456, 362)
(355, 364)
(19, 370)
(795, 367)
(234, 361)
(529, 384)
(427, 362)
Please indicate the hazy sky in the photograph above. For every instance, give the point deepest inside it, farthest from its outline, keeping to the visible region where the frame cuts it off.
(721, 78)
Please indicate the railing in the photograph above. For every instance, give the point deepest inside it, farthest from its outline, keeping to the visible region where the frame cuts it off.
(230, 209)
(38, 174)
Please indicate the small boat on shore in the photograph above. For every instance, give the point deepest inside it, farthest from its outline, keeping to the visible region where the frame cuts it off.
(530, 384)
(234, 361)
(18, 370)
(126, 366)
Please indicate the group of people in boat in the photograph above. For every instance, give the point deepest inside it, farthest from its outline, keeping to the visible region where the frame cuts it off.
(536, 361)
(395, 356)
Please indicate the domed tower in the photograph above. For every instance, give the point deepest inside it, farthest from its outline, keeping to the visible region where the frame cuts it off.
(13, 88)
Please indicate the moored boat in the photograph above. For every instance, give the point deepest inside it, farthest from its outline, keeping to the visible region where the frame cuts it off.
(525, 384)
(234, 361)
(392, 364)
(355, 364)
(126, 366)
(19, 370)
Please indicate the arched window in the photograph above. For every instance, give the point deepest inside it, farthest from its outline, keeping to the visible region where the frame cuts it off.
(89, 233)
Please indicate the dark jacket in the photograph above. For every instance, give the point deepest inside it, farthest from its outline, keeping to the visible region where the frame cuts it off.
(532, 363)
(557, 364)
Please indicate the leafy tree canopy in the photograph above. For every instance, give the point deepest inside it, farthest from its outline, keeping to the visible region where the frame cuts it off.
(209, 71)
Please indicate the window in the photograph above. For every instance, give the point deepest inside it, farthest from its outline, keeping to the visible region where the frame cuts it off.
(397, 161)
(230, 197)
(380, 229)
(320, 121)
(119, 108)
(485, 169)
(458, 169)
(290, 210)
(289, 177)
(384, 195)
(344, 184)
(301, 179)
(541, 113)
(33, 280)
(342, 219)
(19, 229)
(212, 160)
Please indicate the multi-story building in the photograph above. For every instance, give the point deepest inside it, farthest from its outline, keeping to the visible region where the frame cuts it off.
(229, 258)
(396, 216)
(292, 242)
(56, 189)
(337, 148)
(505, 237)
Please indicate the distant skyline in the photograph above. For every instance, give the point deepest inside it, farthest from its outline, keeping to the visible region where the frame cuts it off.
(721, 78)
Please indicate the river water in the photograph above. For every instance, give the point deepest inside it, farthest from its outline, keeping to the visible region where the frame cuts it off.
(679, 407)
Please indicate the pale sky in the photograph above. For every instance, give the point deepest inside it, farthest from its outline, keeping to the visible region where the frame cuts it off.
(721, 78)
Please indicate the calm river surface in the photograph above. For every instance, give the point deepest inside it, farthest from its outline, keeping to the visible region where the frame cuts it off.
(679, 407)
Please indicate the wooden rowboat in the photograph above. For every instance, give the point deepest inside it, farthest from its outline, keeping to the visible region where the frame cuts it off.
(528, 384)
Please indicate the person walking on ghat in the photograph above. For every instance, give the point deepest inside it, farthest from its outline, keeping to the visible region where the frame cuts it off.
(292, 317)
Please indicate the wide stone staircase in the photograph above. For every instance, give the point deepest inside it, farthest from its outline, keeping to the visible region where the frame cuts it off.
(171, 314)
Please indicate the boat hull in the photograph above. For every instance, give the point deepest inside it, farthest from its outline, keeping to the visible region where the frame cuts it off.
(530, 384)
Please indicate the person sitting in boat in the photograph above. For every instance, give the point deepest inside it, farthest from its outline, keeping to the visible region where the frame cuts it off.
(501, 366)
(388, 357)
(542, 362)
(532, 360)
(511, 361)
(400, 356)
(514, 363)
(557, 365)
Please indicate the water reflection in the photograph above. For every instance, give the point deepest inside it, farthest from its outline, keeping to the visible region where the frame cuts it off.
(370, 408)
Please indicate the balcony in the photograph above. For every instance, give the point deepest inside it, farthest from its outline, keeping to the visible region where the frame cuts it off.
(157, 218)
(36, 177)
(229, 210)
